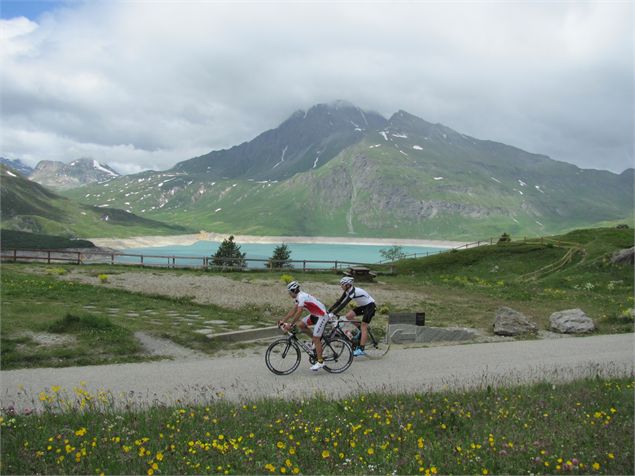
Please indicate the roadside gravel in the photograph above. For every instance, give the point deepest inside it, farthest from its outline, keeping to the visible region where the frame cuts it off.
(235, 294)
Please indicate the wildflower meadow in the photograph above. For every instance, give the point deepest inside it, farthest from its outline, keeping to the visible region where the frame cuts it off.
(584, 427)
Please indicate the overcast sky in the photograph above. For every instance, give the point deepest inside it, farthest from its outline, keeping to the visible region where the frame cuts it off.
(145, 84)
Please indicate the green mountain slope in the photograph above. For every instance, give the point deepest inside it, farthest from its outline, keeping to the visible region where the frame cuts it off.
(401, 177)
(27, 206)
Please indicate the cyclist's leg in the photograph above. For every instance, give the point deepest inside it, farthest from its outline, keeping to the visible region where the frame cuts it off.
(369, 312)
(318, 330)
(304, 324)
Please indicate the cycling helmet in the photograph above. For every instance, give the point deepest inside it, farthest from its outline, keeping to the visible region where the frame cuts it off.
(293, 287)
(346, 280)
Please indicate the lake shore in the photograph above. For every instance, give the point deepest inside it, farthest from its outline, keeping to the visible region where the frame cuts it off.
(156, 241)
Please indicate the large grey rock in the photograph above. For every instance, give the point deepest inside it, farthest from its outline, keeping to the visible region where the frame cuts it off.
(571, 321)
(626, 256)
(509, 322)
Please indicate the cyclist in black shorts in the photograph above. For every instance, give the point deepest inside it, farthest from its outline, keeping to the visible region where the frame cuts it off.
(365, 307)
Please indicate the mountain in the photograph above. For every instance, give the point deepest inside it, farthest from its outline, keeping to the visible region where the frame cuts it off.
(303, 142)
(338, 170)
(28, 206)
(61, 176)
(17, 165)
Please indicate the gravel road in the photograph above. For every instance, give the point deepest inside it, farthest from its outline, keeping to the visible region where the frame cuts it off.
(241, 378)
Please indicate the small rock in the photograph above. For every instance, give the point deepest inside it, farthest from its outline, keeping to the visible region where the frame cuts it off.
(571, 321)
(509, 322)
(626, 256)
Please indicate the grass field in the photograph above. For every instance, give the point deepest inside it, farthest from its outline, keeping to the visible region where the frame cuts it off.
(585, 427)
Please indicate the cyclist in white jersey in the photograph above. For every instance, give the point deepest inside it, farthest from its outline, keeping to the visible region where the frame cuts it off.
(318, 318)
(365, 307)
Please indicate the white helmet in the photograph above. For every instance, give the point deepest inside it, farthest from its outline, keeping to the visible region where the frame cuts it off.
(346, 280)
(293, 286)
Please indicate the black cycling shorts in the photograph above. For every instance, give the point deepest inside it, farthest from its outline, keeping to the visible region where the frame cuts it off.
(368, 311)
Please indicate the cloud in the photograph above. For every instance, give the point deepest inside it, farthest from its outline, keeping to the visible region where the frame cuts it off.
(149, 84)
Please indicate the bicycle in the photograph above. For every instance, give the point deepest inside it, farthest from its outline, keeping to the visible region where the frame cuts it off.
(283, 355)
(374, 349)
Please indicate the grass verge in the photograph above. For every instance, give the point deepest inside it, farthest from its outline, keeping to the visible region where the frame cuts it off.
(584, 427)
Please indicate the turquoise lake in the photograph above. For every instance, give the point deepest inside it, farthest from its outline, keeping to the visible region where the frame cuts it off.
(368, 254)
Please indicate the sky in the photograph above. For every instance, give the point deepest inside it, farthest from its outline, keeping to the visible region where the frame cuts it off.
(141, 84)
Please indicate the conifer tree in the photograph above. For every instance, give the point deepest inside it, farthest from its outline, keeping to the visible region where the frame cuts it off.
(281, 256)
(228, 254)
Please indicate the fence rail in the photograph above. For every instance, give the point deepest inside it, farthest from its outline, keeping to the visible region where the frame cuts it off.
(171, 261)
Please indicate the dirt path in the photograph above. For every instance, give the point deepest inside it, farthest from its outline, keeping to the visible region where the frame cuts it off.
(415, 369)
(166, 348)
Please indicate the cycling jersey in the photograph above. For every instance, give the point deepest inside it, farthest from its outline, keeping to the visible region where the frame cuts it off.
(361, 298)
(318, 316)
(310, 303)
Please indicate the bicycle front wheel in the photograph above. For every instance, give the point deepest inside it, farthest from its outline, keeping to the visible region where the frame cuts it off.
(282, 357)
(337, 354)
(376, 349)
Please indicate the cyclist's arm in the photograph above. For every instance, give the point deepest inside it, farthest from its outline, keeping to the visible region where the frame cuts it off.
(293, 314)
(341, 303)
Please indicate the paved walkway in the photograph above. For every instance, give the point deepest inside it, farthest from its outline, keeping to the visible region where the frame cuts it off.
(414, 369)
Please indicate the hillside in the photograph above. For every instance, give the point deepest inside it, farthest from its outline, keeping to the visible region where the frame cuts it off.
(29, 207)
(336, 170)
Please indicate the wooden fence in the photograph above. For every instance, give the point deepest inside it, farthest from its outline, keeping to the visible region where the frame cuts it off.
(87, 256)
(203, 262)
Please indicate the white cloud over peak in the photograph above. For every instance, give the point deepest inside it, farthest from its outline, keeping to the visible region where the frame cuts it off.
(148, 84)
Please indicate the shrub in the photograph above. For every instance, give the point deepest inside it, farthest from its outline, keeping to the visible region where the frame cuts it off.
(57, 271)
(504, 238)
(286, 278)
(393, 253)
(73, 323)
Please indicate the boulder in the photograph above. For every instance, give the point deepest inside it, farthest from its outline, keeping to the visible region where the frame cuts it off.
(625, 256)
(509, 322)
(571, 321)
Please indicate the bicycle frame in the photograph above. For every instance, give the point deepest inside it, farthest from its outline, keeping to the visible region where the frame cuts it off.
(375, 349)
(337, 353)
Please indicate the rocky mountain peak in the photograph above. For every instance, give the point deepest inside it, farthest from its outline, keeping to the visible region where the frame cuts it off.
(17, 165)
(83, 171)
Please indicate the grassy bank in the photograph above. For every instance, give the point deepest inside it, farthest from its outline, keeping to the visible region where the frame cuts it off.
(36, 303)
(585, 427)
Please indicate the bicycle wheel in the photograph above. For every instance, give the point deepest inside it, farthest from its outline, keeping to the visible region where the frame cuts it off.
(376, 349)
(337, 354)
(282, 356)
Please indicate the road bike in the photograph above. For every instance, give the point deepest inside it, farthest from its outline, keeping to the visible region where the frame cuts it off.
(375, 347)
(283, 355)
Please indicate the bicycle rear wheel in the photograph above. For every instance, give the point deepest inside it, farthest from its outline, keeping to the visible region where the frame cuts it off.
(282, 356)
(337, 354)
(376, 348)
